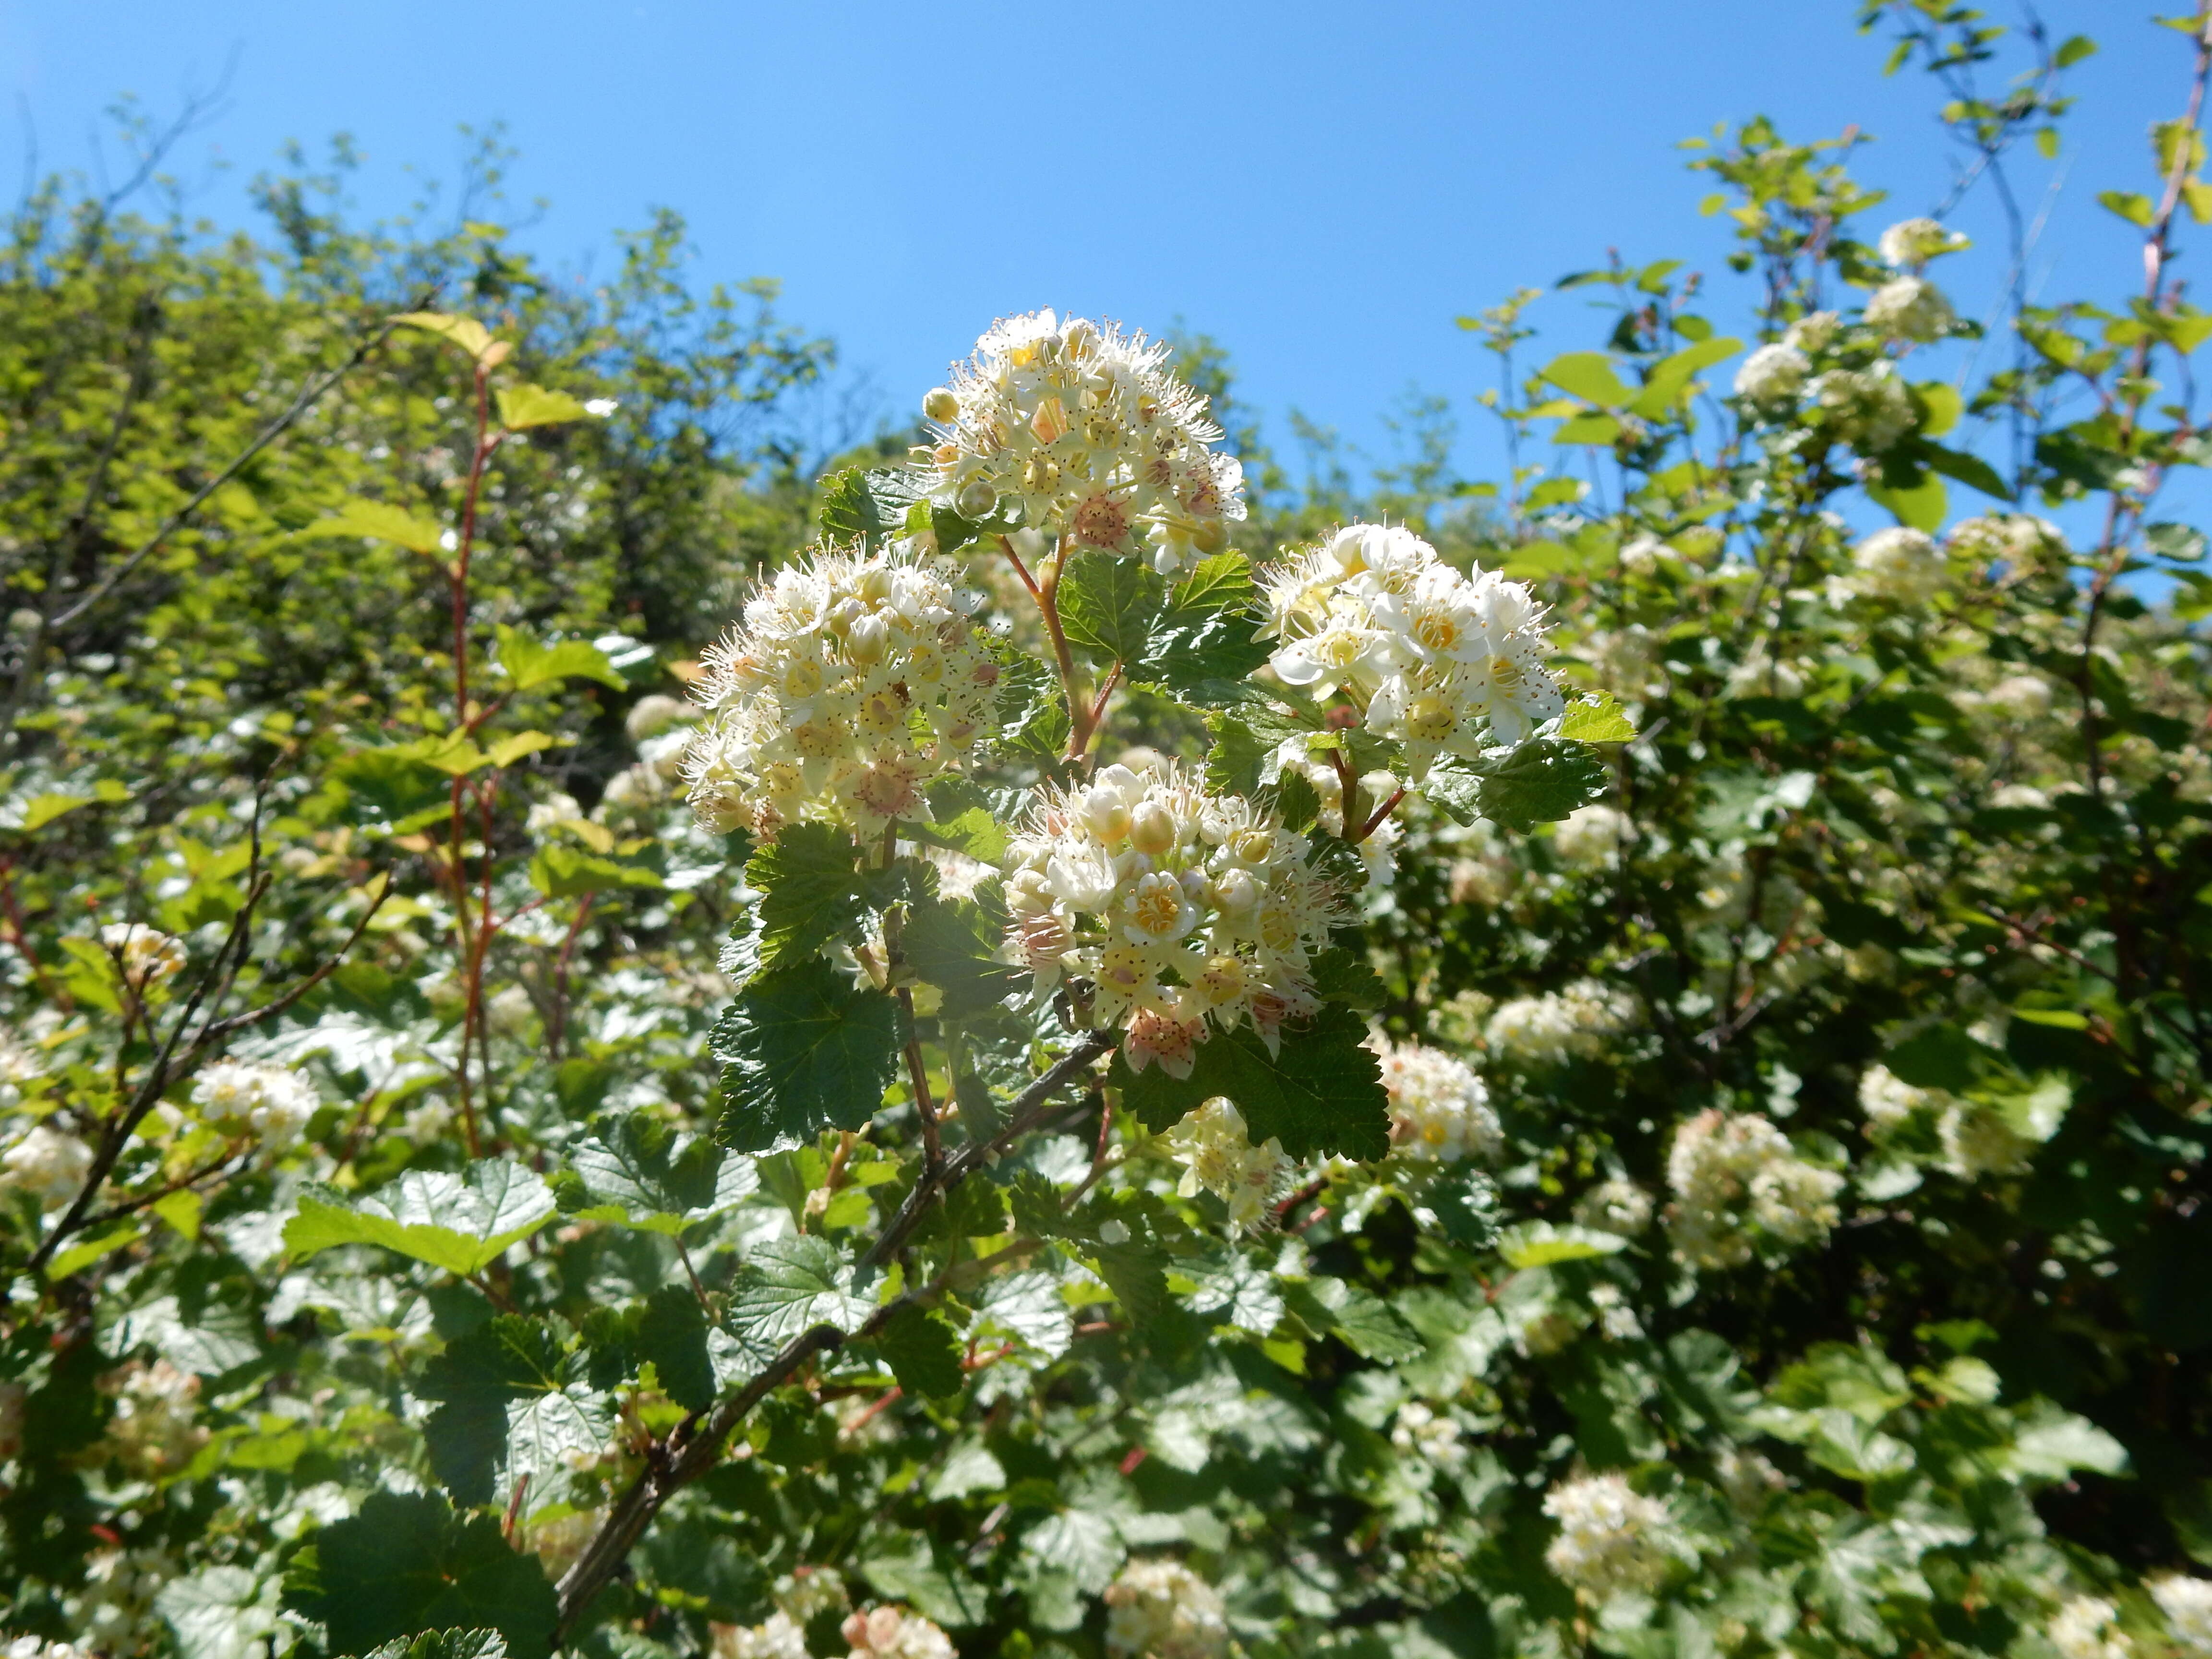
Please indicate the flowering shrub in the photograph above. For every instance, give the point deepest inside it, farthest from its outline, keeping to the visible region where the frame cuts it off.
(1096, 1061)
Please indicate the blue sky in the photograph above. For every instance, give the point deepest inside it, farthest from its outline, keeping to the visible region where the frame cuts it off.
(1323, 187)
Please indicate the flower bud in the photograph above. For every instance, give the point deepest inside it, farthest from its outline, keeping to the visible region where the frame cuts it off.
(1104, 814)
(941, 405)
(875, 584)
(1152, 829)
(1211, 536)
(976, 499)
(1237, 892)
(870, 639)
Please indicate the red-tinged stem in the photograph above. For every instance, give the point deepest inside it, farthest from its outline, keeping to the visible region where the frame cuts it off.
(1374, 820)
(561, 976)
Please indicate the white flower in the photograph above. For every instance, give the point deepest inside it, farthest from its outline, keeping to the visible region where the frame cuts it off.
(1160, 1609)
(2088, 1627)
(2022, 696)
(1612, 1538)
(1977, 1141)
(20, 1067)
(1774, 374)
(113, 1612)
(1187, 912)
(48, 1164)
(2187, 1605)
(1899, 563)
(600, 408)
(1439, 1109)
(1741, 1191)
(1886, 1099)
(155, 1429)
(1443, 662)
(777, 1639)
(34, 1647)
(1910, 308)
(1614, 1206)
(1082, 428)
(1430, 1437)
(895, 1633)
(1589, 837)
(1868, 409)
(2006, 538)
(854, 683)
(1911, 243)
(149, 956)
(1815, 332)
(1217, 1156)
(1557, 1026)
(271, 1103)
(649, 717)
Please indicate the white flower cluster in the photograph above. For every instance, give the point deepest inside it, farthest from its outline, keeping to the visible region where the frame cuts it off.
(1899, 563)
(777, 1638)
(1911, 243)
(1741, 1190)
(1217, 1152)
(1439, 1109)
(1445, 663)
(113, 1612)
(155, 1429)
(49, 1163)
(1180, 907)
(1775, 374)
(2020, 697)
(2089, 1627)
(1976, 1137)
(1434, 1438)
(1867, 408)
(1910, 308)
(2187, 1604)
(1160, 1609)
(149, 956)
(1612, 1537)
(1589, 837)
(895, 1633)
(2011, 538)
(854, 682)
(37, 1647)
(1614, 1206)
(1557, 1026)
(1086, 429)
(1815, 332)
(271, 1103)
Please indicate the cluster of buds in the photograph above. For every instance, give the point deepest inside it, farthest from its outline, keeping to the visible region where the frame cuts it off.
(1081, 428)
(49, 1164)
(1554, 1027)
(1446, 663)
(1898, 564)
(1218, 1157)
(1182, 909)
(854, 683)
(895, 1633)
(1161, 1609)
(1741, 1191)
(271, 1103)
(147, 955)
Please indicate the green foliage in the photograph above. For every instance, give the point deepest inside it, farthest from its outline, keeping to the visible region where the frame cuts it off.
(802, 1049)
(456, 1223)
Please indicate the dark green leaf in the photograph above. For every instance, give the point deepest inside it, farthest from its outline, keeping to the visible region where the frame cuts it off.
(1111, 603)
(407, 1564)
(1539, 781)
(923, 1351)
(1322, 1093)
(803, 1049)
(860, 504)
(459, 1223)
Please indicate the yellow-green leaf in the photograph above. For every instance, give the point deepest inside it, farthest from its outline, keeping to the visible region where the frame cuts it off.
(507, 750)
(1541, 1243)
(1943, 405)
(2136, 209)
(1596, 720)
(1922, 507)
(472, 336)
(383, 522)
(526, 405)
(86, 1251)
(1588, 375)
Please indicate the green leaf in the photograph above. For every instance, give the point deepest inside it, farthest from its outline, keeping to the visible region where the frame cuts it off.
(1971, 470)
(527, 664)
(859, 504)
(2051, 1444)
(407, 1564)
(1207, 633)
(1669, 378)
(528, 406)
(812, 890)
(1111, 603)
(923, 1351)
(1358, 1318)
(560, 871)
(1922, 506)
(1596, 720)
(1539, 781)
(219, 1612)
(1941, 406)
(1588, 375)
(446, 1644)
(1541, 1243)
(508, 1359)
(1940, 1057)
(949, 945)
(380, 522)
(1587, 429)
(1322, 1093)
(786, 1286)
(88, 1249)
(2178, 542)
(2072, 51)
(1345, 975)
(459, 1223)
(472, 336)
(803, 1049)
(671, 1337)
(638, 1169)
(509, 749)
